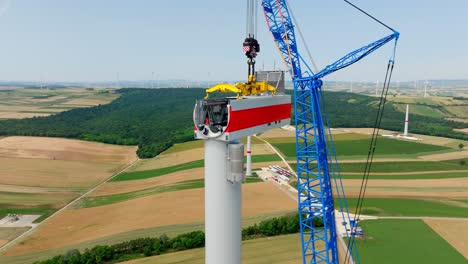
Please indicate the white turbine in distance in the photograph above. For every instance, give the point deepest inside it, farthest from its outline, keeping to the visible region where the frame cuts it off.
(405, 134)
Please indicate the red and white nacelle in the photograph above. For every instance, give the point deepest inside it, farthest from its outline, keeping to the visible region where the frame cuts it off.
(229, 119)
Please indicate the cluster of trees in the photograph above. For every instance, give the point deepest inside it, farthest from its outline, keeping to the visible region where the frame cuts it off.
(159, 245)
(130, 249)
(155, 119)
(276, 226)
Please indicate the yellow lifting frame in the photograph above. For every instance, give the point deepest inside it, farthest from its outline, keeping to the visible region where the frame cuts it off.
(252, 87)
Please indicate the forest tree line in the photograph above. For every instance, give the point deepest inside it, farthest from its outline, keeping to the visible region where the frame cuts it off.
(155, 119)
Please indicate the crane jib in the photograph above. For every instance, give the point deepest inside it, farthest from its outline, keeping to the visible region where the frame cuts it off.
(317, 164)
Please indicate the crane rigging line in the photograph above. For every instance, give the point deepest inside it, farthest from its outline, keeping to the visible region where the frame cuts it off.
(372, 147)
(369, 15)
(302, 37)
(374, 137)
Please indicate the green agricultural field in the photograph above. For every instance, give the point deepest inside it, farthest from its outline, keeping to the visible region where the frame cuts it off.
(425, 176)
(400, 166)
(184, 146)
(404, 242)
(404, 166)
(409, 207)
(385, 147)
(337, 137)
(139, 175)
(265, 158)
(117, 198)
(423, 110)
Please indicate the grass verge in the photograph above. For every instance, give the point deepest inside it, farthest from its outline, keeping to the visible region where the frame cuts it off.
(404, 241)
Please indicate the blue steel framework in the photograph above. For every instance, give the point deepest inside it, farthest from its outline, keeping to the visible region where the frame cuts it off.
(316, 157)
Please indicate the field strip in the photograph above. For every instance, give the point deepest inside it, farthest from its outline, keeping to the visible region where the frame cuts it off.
(424, 218)
(30, 231)
(407, 173)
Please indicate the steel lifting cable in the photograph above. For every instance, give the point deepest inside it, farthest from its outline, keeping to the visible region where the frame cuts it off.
(314, 66)
(375, 133)
(370, 155)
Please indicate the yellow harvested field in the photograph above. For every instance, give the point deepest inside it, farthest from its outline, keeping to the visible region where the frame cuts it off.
(65, 149)
(280, 249)
(278, 132)
(163, 209)
(461, 120)
(85, 101)
(455, 232)
(44, 100)
(53, 173)
(111, 188)
(9, 233)
(168, 160)
(12, 115)
(446, 156)
(464, 130)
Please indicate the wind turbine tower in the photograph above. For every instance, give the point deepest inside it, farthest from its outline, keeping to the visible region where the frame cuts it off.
(405, 133)
(248, 171)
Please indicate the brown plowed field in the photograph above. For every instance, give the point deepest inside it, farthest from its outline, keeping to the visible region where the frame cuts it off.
(65, 149)
(78, 225)
(136, 185)
(85, 101)
(453, 231)
(53, 173)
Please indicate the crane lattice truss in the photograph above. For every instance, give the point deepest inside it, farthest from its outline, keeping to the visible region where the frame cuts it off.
(316, 157)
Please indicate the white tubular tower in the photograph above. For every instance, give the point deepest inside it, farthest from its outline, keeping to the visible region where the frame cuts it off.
(223, 202)
(405, 133)
(248, 171)
(222, 123)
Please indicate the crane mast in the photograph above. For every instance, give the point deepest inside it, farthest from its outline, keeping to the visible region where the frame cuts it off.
(316, 158)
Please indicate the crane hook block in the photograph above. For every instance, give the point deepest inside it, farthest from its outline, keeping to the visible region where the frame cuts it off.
(251, 47)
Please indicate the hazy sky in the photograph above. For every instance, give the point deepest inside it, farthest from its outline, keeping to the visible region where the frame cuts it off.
(92, 40)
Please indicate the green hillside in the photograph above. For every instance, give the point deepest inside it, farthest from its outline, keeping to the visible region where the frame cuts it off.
(155, 119)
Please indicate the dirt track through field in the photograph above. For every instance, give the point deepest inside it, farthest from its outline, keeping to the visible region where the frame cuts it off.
(157, 210)
(453, 231)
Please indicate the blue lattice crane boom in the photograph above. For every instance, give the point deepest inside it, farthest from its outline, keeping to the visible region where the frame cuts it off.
(316, 158)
